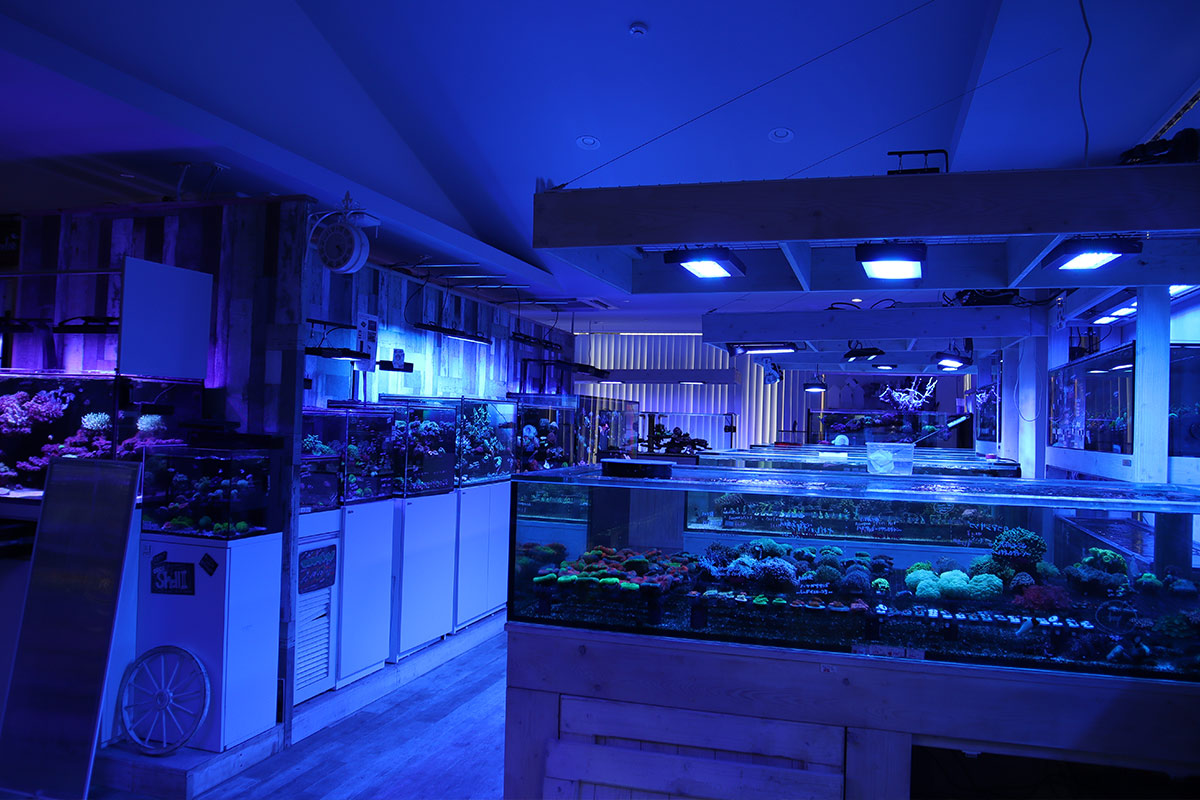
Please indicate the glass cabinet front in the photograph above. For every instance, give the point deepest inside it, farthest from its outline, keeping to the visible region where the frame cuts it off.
(546, 432)
(1183, 416)
(607, 428)
(947, 568)
(425, 445)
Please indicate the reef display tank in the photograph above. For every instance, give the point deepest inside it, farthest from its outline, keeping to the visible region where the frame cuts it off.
(1091, 403)
(684, 433)
(322, 459)
(424, 432)
(154, 412)
(486, 440)
(859, 427)
(546, 432)
(933, 461)
(370, 457)
(606, 427)
(953, 569)
(206, 492)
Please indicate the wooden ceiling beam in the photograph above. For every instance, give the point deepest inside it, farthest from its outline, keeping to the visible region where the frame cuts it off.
(1010, 203)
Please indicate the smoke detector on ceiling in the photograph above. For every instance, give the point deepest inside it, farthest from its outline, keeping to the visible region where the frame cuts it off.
(338, 238)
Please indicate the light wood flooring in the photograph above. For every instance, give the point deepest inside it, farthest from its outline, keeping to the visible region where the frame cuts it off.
(440, 737)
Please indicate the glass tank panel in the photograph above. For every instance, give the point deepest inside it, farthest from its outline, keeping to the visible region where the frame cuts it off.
(51, 414)
(683, 433)
(607, 428)
(1091, 403)
(935, 461)
(206, 492)
(1078, 576)
(153, 413)
(984, 406)
(322, 459)
(925, 428)
(486, 441)
(1184, 413)
(425, 437)
(370, 461)
(546, 432)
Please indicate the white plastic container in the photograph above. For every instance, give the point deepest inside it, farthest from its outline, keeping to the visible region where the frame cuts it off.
(890, 458)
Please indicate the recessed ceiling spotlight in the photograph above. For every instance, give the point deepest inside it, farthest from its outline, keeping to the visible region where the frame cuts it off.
(781, 135)
(638, 29)
(586, 142)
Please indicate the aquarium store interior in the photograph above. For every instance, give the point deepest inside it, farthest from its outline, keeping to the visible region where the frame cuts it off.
(417, 400)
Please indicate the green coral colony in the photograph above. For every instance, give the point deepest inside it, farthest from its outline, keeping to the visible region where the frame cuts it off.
(1005, 606)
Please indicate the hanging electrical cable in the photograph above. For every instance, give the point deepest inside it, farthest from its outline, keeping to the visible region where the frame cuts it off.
(1082, 64)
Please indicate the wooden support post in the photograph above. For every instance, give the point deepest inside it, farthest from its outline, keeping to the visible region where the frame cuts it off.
(1151, 376)
(878, 764)
(530, 725)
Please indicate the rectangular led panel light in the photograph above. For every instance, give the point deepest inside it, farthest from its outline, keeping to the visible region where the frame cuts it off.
(705, 269)
(707, 262)
(1127, 311)
(891, 261)
(1078, 254)
(1105, 320)
(1123, 366)
(1089, 260)
(1179, 288)
(892, 270)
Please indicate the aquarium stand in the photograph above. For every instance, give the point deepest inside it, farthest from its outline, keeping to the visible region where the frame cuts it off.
(714, 719)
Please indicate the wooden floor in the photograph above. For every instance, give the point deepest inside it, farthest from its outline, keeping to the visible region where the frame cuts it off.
(438, 737)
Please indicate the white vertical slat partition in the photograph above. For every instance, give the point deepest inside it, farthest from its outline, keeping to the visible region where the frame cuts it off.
(757, 405)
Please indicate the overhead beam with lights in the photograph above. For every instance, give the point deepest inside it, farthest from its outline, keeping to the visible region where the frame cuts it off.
(947, 323)
(1009, 203)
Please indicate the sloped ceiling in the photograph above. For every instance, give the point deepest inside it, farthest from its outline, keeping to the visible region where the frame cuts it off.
(457, 110)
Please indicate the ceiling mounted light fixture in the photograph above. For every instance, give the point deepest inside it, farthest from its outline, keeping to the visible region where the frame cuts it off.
(535, 341)
(762, 348)
(707, 262)
(1105, 320)
(859, 353)
(453, 333)
(885, 366)
(587, 142)
(815, 386)
(337, 353)
(1123, 366)
(951, 361)
(1127, 311)
(1090, 253)
(891, 261)
(692, 383)
(1179, 288)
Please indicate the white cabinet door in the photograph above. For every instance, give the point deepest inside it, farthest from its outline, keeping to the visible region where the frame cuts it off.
(498, 545)
(366, 589)
(427, 570)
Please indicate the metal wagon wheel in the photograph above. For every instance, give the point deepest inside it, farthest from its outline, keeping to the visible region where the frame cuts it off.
(164, 699)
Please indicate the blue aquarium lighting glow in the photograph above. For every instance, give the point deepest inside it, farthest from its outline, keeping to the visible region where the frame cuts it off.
(892, 270)
(1127, 311)
(705, 269)
(1105, 320)
(1179, 288)
(1089, 260)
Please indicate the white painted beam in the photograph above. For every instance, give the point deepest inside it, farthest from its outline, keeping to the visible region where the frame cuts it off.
(954, 322)
(799, 257)
(1162, 261)
(1151, 377)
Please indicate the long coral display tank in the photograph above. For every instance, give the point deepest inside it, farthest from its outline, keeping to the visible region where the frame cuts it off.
(935, 461)
(684, 433)
(425, 438)
(486, 440)
(1091, 403)
(959, 569)
(606, 427)
(1183, 416)
(931, 428)
(47, 415)
(322, 459)
(206, 492)
(370, 470)
(546, 432)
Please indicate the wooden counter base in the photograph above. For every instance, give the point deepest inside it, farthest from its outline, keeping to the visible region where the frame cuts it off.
(659, 717)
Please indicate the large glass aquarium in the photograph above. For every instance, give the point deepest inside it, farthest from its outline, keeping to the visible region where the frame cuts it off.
(926, 461)
(487, 440)
(425, 436)
(206, 492)
(684, 433)
(924, 428)
(606, 427)
(1091, 403)
(322, 459)
(942, 568)
(1184, 413)
(370, 460)
(546, 432)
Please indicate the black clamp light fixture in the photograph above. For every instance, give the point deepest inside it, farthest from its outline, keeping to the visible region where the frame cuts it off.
(953, 359)
(1090, 253)
(891, 261)
(707, 262)
(859, 353)
(453, 333)
(534, 341)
